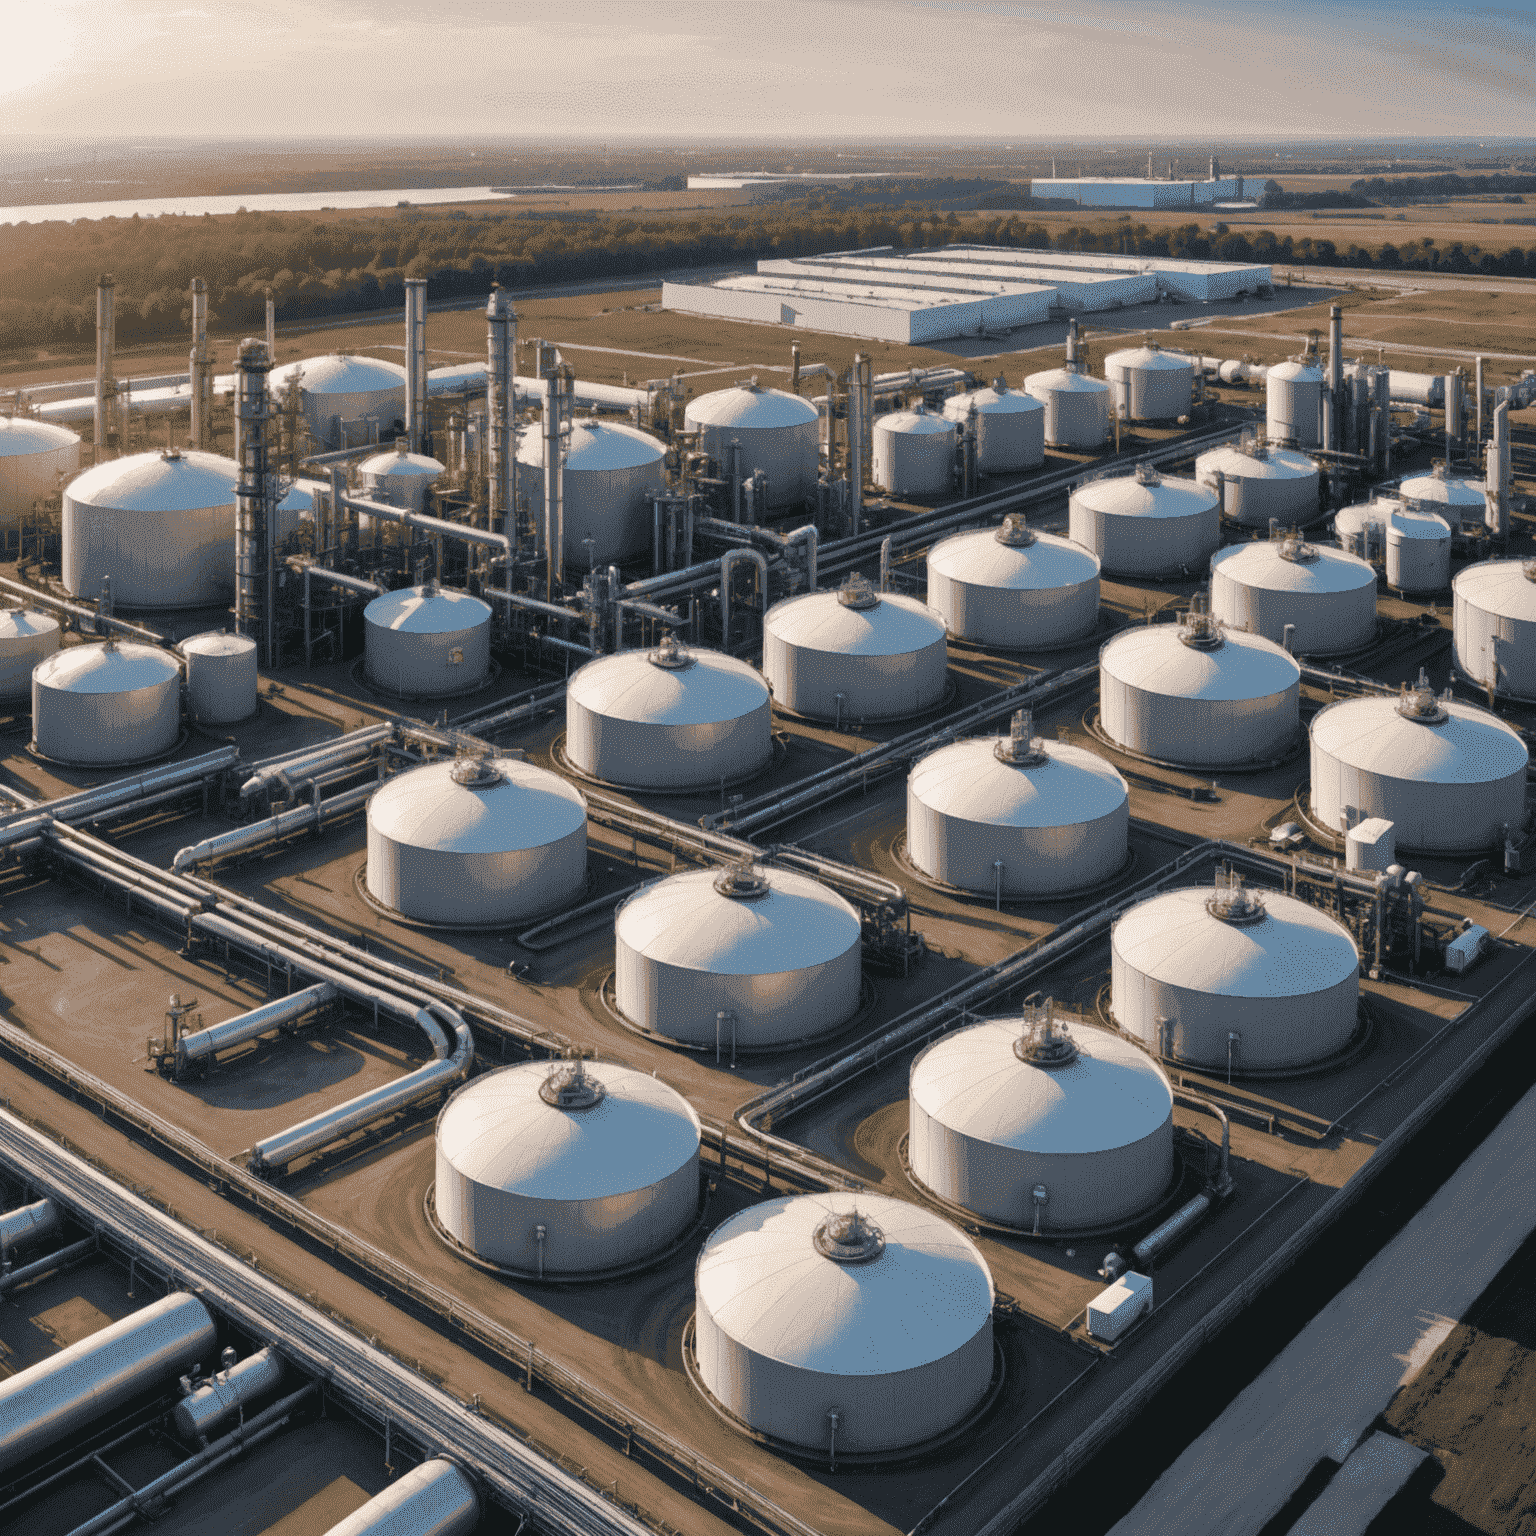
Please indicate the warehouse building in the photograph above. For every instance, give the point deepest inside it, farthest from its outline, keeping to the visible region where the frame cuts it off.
(1138, 191)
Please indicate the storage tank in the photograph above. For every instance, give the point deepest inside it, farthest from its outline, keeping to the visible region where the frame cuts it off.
(433, 1499)
(1259, 483)
(557, 1171)
(1016, 816)
(1033, 1124)
(1012, 587)
(221, 677)
(477, 841)
(1146, 524)
(841, 1323)
(914, 453)
(1150, 384)
(109, 704)
(295, 509)
(669, 718)
(1199, 695)
(427, 640)
(1494, 618)
(1204, 977)
(775, 952)
(855, 654)
(1362, 529)
(161, 525)
(27, 637)
(1461, 500)
(398, 477)
(1076, 408)
(1450, 776)
(779, 434)
(611, 470)
(340, 388)
(1328, 594)
(1418, 550)
(1293, 403)
(33, 454)
(1010, 427)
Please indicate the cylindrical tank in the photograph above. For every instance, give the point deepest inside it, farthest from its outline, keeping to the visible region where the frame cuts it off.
(1198, 695)
(1495, 625)
(161, 525)
(1259, 483)
(57, 1398)
(477, 840)
(294, 510)
(1206, 977)
(1010, 427)
(1012, 587)
(1449, 775)
(221, 677)
(1150, 384)
(398, 477)
(26, 638)
(611, 470)
(340, 388)
(1362, 528)
(200, 1413)
(427, 640)
(106, 704)
(558, 1171)
(1009, 1106)
(33, 454)
(1016, 816)
(1418, 550)
(777, 954)
(855, 654)
(1458, 498)
(1076, 408)
(434, 1499)
(843, 1323)
(1146, 524)
(914, 453)
(778, 432)
(1328, 594)
(668, 718)
(1293, 395)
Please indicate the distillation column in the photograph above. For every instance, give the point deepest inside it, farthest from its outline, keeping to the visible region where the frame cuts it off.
(106, 385)
(415, 360)
(200, 368)
(501, 413)
(256, 499)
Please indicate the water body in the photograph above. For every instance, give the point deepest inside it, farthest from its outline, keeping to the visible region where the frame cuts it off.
(252, 202)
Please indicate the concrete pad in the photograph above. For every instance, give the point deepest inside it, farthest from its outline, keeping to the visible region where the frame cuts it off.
(1361, 1488)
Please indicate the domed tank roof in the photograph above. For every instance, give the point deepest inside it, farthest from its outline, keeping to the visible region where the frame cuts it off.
(1262, 462)
(1296, 369)
(1454, 490)
(474, 805)
(974, 781)
(217, 643)
(399, 460)
(1377, 510)
(595, 446)
(342, 373)
(669, 686)
(1503, 587)
(1180, 660)
(855, 620)
(107, 668)
(1150, 358)
(1284, 948)
(1414, 523)
(782, 921)
(427, 610)
(300, 498)
(1013, 557)
(1105, 1093)
(21, 435)
(25, 623)
(1066, 381)
(998, 400)
(917, 422)
(1293, 565)
(749, 405)
(1420, 737)
(924, 1293)
(167, 481)
(503, 1131)
(1146, 494)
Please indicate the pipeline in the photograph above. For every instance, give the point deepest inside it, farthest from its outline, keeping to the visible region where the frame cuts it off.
(1221, 1186)
(279, 825)
(27, 1223)
(292, 767)
(432, 525)
(339, 579)
(202, 1044)
(535, 604)
(82, 613)
(40, 1269)
(727, 562)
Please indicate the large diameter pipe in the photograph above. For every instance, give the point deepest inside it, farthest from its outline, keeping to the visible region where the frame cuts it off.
(730, 559)
(62, 1395)
(210, 1404)
(434, 1499)
(27, 1223)
(1178, 1226)
(270, 829)
(306, 761)
(202, 1044)
(80, 612)
(433, 525)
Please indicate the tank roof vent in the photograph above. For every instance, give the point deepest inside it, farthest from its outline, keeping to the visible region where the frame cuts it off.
(1231, 901)
(1020, 747)
(1529, 567)
(670, 655)
(1044, 1042)
(849, 1238)
(1015, 532)
(1199, 630)
(742, 882)
(1296, 549)
(475, 770)
(569, 1087)
(1146, 473)
(1419, 702)
(856, 592)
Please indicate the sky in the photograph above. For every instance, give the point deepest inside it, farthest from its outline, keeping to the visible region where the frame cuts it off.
(768, 68)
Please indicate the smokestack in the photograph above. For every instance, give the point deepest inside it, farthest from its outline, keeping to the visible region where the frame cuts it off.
(1072, 344)
(415, 360)
(1496, 478)
(1149, 165)
(1215, 169)
(1477, 384)
(200, 367)
(271, 327)
(1335, 391)
(1453, 413)
(559, 397)
(255, 501)
(501, 410)
(106, 384)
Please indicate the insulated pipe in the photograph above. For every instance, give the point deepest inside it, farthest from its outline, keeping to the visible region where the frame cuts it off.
(338, 579)
(294, 766)
(200, 367)
(730, 559)
(415, 360)
(52, 1264)
(433, 525)
(1161, 1238)
(82, 614)
(27, 1223)
(271, 829)
(533, 604)
(1223, 1182)
(644, 610)
(202, 1044)
(220, 1395)
(434, 1499)
(812, 539)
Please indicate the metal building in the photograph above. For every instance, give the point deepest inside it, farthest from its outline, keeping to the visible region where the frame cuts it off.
(1418, 549)
(398, 477)
(1010, 427)
(342, 390)
(1146, 524)
(1494, 619)
(110, 704)
(1293, 403)
(27, 637)
(1150, 384)
(1460, 499)
(1076, 408)
(221, 677)
(914, 453)
(1258, 483)
(778, 433)
(1325, 595)
(427, 640)
(558, 1171)
(33, 455)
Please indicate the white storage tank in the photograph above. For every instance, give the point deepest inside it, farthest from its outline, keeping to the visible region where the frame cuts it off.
(1293, 403)
(1449, 776)
(1150, 384)
(477, 841)
(295, 509)
(339, 389)
(1362, 529)
(562, 1171)
(611, 471)
(1327, 594)
(1016, 816)
(1076, 408)
(776, 952)
(398, 478)
(426, 641)
(221, 677)
(1014, 588)
(1206, 976)
(855, 654)
(161, 525)
(669, 718)
(1460, 499)
(27, 637)
(109, 704)
(843, 1324)
(1010, 427)
(33, 454)
(1418, 550)
(1146, 524)
(1259, 483)
(779, 434)
(914, 453)
(1035, 1125)
(1199, 695)
(1494, 619)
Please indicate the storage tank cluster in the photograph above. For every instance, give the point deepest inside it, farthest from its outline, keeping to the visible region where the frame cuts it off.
(1325, 596)
(33, 455)
(1494, 621)
(427, 641)
(1010, 427)
(778, 433)
(1146, 524)
(913, 452)
(1150, 384)
(1259, 484)
(108, 704)
(1293, 403)
(340, 390)
(1076, 408)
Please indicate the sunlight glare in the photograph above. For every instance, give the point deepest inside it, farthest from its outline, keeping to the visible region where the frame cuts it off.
(42, 37)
